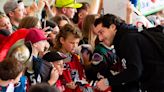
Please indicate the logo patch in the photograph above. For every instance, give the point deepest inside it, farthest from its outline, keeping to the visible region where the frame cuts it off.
(96, 58)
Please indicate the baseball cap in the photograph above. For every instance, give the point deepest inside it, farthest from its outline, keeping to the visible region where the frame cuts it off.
(10, 5)
(67, 3)
(10, 40)
(35, 35)
(20, 51)
(54, 56)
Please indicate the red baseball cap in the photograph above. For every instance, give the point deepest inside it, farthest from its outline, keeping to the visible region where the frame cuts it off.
(10, 40)
(2, 37)
(35, 35)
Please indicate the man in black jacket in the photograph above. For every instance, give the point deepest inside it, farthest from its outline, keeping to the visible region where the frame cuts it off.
(142, 57)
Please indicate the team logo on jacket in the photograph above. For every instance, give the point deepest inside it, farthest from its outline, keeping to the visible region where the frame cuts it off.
(118, 67)
(96, 58)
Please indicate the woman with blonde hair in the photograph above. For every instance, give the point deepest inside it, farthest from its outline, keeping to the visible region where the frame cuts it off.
(87, 30)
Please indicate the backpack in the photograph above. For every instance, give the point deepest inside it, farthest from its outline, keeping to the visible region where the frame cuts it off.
(156, 35)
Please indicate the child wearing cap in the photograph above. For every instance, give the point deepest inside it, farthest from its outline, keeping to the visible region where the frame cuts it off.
(10, 74)
(39, 44)
(73, 74)
(20, 52)
(56, 60)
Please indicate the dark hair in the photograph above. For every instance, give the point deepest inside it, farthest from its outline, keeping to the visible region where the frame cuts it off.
(109, 19)
(5, 32)
(43, 87)
(59, 18)
(10, 69)
(65, 32)
(28, 22)
(85, 6)
(51, 24)
(19, 1)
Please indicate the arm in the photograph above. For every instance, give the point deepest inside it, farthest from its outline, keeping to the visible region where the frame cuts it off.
(130, 50)
(129, 12)
(48, 9)
(94, 6)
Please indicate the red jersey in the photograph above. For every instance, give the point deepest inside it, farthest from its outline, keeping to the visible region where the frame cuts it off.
(74, 71)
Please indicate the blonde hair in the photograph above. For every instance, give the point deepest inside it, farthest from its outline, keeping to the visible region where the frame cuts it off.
(87, 27)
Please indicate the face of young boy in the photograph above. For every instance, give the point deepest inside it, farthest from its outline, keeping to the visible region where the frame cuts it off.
(70, 43)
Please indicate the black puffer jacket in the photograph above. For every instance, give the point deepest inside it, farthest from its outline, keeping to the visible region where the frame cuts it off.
(143, 59)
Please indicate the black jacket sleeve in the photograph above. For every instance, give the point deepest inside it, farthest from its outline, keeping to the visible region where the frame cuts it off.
(130, 53)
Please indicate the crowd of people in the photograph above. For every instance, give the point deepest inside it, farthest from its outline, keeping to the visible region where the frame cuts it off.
(68, 46)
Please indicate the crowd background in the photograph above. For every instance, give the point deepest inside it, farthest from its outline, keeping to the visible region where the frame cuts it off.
(69, 46)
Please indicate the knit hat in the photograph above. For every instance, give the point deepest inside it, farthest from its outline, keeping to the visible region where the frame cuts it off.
(10, 5)
(54, 56)
(35, 35)
(67, 3)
